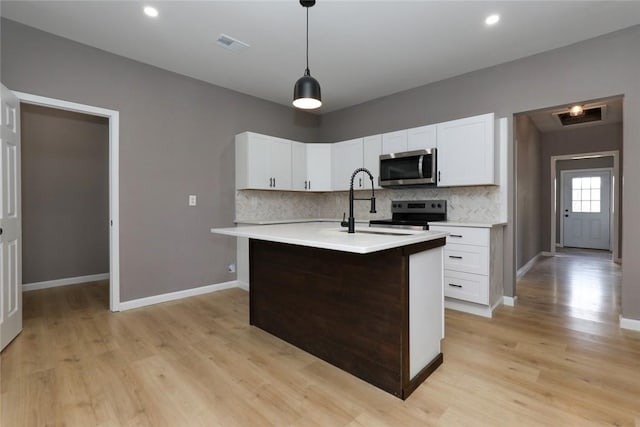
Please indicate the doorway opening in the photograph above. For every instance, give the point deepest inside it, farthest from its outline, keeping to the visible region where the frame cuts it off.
(578, 216)
(112, 117)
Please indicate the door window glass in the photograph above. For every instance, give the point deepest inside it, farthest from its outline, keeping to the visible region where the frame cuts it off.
(585, 194)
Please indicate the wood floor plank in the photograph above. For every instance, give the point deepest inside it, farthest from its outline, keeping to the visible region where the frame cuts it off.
(558, 358)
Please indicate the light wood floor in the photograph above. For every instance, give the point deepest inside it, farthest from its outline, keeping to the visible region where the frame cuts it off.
(557, 359)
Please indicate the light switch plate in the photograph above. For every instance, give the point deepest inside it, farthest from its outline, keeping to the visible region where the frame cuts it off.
(192, 200)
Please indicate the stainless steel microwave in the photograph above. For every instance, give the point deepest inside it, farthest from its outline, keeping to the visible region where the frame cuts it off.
(410, 168)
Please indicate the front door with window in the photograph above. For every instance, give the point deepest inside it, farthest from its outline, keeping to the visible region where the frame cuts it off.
(586, 209)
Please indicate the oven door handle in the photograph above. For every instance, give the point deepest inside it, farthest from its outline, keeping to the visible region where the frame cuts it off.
(420, 161)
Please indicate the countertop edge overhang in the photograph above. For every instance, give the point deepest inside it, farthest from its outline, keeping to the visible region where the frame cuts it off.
(326, 235)
(305, 220)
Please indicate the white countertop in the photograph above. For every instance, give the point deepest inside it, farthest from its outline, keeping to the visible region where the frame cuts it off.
(329, 235)
(468, 224)
(292, 221)
(303, 220)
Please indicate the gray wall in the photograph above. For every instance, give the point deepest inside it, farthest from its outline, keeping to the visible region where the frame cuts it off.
(582, 140)
(593, 69)
(176, 138)
(65, 194)
(529, 190)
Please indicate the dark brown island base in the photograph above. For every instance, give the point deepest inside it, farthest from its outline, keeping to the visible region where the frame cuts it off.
(378, 316)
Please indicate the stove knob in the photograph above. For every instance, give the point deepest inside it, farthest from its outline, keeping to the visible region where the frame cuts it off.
(433, 205)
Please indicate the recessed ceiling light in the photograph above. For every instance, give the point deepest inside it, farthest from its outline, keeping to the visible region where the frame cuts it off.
(492, 19)
(151, 11)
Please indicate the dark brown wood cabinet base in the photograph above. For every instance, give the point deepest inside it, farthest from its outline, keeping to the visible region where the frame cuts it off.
(351, 310)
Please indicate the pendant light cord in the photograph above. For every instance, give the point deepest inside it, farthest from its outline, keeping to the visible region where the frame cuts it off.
(307, 40)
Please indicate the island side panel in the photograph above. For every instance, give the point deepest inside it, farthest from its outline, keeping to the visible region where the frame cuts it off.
(345, 308)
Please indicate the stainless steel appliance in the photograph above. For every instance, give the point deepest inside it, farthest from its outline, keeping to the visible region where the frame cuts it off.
(413, 214)
(411, 168)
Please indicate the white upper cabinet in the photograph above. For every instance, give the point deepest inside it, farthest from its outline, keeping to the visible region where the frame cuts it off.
(394, 142)
(372, 148)
(280, 163)
(466, 152)
(262, 162)
(346, 157)
(299, 165)
(466, 156)
(318, 164)
(422, 138)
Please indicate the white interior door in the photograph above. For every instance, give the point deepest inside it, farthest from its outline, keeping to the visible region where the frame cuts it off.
(586, 211)
(10, 220)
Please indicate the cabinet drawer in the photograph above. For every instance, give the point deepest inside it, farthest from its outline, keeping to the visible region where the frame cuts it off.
(464, 235)
(467, 287)
(466, 258)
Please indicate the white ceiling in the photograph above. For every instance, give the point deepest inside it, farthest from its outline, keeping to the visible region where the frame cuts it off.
(359, 50)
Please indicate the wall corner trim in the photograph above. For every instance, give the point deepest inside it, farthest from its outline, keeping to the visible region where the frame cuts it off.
(172, 296)
(631, 324)
(243, 285)
(509, 301)
(26, 287)
(523, 270)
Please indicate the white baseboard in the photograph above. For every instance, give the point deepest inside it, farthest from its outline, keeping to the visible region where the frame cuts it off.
(171, 296)
(631, 324)
(545, 253)
(618, 261)
(523, 270)
(64, 282)
(509, 301)
(468, 307)
(243, 285)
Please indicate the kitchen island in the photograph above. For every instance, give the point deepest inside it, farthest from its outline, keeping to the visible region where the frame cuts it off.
(370, 303)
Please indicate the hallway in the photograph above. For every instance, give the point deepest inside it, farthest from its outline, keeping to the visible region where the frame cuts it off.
(575, 284)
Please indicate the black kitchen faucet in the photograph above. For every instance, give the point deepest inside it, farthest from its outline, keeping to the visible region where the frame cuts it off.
(351, 222)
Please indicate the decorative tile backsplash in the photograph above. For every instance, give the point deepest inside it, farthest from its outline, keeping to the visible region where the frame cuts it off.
(464, 204)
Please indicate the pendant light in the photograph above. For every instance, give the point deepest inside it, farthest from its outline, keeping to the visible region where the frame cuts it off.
(306, 92)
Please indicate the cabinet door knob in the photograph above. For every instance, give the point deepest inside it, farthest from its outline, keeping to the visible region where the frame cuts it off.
(459, 236)
(438, 176)
(274, 182)
(305, 185)
(455, 286)
(309, 185)
(455, 257)
(1, 231)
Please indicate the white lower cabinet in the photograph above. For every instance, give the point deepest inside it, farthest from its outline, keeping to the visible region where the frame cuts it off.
(472, 268)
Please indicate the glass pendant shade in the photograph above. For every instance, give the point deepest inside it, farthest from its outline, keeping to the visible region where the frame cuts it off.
(306, 93)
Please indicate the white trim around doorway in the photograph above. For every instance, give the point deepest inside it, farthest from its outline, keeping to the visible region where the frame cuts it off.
(615, 182)
(114, 180)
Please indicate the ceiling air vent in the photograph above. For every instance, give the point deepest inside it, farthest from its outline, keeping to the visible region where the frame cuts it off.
(230, 43)
(589, 115)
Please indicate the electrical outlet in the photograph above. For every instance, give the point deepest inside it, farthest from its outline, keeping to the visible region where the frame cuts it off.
(192, 200)
(231, 268)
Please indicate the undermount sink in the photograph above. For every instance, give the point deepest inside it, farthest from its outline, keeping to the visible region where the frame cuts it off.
(382, 232)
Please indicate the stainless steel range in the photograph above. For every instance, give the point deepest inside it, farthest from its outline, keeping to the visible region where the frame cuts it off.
(413, 214)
